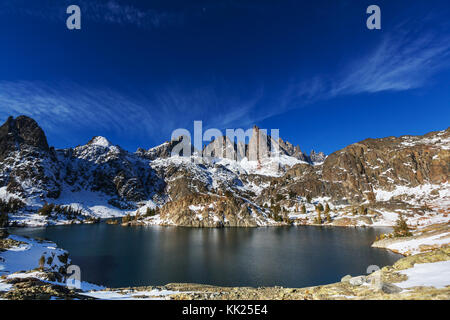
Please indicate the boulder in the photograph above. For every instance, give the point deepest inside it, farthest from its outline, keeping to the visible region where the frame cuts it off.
(346, 278)
(358, 281)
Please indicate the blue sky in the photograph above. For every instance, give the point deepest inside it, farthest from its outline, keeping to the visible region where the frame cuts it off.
(138, 70)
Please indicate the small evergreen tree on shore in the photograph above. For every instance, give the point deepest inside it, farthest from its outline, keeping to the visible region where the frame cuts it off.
(150, 212)
(362, 210)
(308, 198)
(126, 219)
(11, 206)
(42, 262)
(46, 209)
(318, 219)
(401, 228)
(303, 209)
(3, 219)
(327, 216)
(320, 207)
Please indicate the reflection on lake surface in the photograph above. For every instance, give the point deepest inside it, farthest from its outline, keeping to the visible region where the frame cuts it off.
(117, 256)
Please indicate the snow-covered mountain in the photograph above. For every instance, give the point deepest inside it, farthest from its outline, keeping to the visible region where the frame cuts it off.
(100, 179)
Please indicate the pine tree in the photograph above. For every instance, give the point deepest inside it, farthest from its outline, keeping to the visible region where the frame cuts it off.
(320, 207)
(150, 212)
(362, 210)
(318, 219)
(308, 198)
(42, 262)
(303, 209)
(126, 219)
(292, 194)
(401, 228)
(46, 210)
(327, 209)
(3, 219)
(371, 197)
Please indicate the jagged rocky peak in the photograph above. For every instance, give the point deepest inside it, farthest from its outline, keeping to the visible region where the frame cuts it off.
(28, 166)
(317, 157)
(260, 146)
(100, 142)
(262, 142)
(19, 132)
(223, 147)
(163, 151)
(99, 149)
(288, 149)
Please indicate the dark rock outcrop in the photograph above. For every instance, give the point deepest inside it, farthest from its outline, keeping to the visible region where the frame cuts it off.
(354, 172)
(20, 132)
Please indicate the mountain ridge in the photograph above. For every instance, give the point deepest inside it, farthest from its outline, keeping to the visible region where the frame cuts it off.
(101, 179)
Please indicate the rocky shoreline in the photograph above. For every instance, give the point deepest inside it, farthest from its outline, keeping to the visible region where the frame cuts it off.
(426, 239)
(382, 284)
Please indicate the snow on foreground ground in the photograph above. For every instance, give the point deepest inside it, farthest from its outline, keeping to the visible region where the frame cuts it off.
(21, 261)
(28, 252)
(414, 246)
(423, 239)
(154, 294)
(435, 274)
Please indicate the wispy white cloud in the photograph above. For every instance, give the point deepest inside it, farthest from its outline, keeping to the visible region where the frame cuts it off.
(116, 12)
(216, 105)
(67, 106)
(406, 61)
(99, 11)
(399, 63)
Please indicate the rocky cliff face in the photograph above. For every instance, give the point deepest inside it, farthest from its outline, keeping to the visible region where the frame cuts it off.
(316, 157)
(389, 163)
(102, 167)
(360, 171)
(261, 146)
(212, 191)
(19, 133)
(28, 167)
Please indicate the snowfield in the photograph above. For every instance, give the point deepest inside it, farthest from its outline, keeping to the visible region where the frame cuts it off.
(26, 256)
(435, 274)
(413, 246)
(92, 203)
(154, 294)
(418, 195)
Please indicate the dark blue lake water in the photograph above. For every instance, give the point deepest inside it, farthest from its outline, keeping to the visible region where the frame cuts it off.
(117, 256)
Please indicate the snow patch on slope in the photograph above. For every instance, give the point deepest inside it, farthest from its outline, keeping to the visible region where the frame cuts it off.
(101, 142)
(26, 256)
(413, 246)
(435, 274)
(92, 203)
